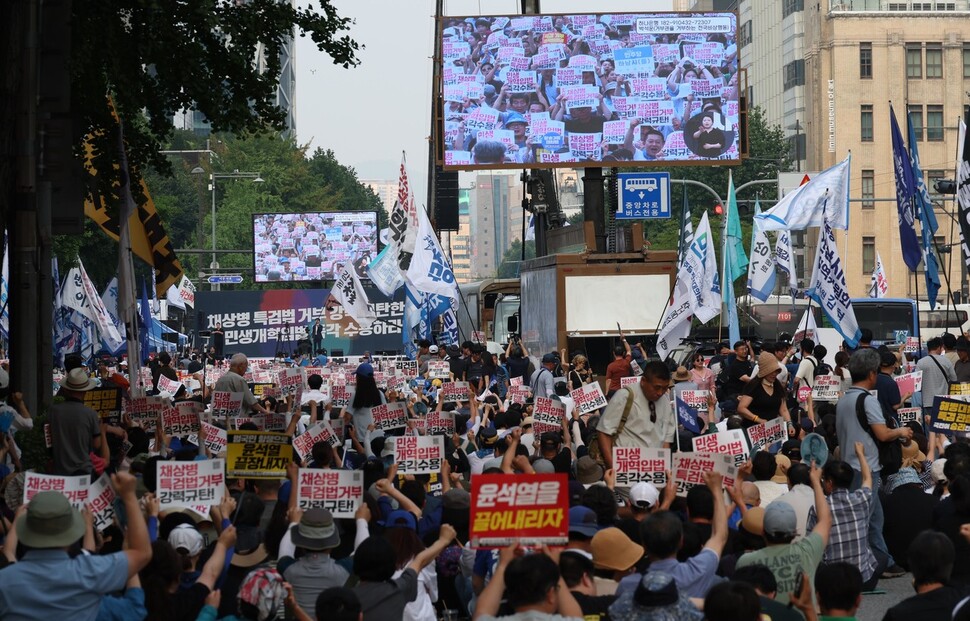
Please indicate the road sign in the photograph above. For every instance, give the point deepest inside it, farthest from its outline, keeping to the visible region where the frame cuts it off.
(225, 279)
(644, 196)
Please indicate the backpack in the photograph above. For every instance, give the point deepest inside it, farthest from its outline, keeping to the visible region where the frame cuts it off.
(890, 453)
(822, 369)
(593, 448)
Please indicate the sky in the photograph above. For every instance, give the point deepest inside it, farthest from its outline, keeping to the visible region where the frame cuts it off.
(371, 113)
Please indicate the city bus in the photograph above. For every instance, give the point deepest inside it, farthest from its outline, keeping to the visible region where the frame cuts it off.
(944, 318)
(888, 318)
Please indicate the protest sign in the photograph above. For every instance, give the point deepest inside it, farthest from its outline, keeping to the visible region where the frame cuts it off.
(529, 509)
(633, 465)
(655, 112)
(804, 391)
(912, 345)
(614, 132)
(407, 368)
(290, 380)
(169, 386)
(190, 483)
(274, 421)
(909, 383)
(765, 434)
(634, 62)
(338, 491)
(730, 442)
(696, 399)
(633, 380)
(144, 411)
(585, 146)
(258, 454)
(453, 392)
(320, 432)
(826, 388)
(689, 469)
(703, 88)
(100, 498)
(519, 394)
(440, 423)
(418, 454)
(588, 398)
(950, 414)
(215, 438)
(959, 388)
(75, 488)
(520, 81)
(635, 367)
(339, 396)
(226, 404)
(106, 401)
(547, 416)
(439, 369)
(908, 415)
(649, 89)
(390, 416)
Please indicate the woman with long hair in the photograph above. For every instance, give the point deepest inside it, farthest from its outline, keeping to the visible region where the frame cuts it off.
(366, 395)
(407, 545)
(579, 371)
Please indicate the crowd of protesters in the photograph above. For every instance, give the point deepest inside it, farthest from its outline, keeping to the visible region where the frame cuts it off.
(809, 525)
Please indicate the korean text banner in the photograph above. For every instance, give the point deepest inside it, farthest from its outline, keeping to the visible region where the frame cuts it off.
(556, 90)
(529, 509)
(252, 321)
(258, 454)
(299, 247)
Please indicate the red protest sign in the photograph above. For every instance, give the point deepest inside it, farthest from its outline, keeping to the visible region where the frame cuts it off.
(339, 491)
(530, 509)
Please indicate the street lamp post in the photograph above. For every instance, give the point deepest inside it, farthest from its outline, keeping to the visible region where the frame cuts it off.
(255, 176)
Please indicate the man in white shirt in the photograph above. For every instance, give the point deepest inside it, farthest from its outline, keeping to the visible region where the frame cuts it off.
(800, 495)
(806, 368)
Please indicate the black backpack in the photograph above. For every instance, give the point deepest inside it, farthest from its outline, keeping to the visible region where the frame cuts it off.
(890, 453)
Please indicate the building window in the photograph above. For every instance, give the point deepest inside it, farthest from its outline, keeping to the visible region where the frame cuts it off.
(865, 60)
(916, 120)
(868, 188)
(866, 122)
(794, 74)
(868, 254)
(744, 34)
(914, 60)
(966, 60)
(792, 6)
(934, 123)
(934, 60)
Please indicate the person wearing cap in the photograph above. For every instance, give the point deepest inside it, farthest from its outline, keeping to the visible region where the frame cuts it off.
(542, 381)
(648, 422)
(533, 587)
(315, 533)
(645, 499)
(783, 555)
(519, 151)
(75, 428)
(765, 397)
(233, 381)
(361, 400)
(850, 518)
(662, 534)
(582, 528)
(47, 583)
(864, 367)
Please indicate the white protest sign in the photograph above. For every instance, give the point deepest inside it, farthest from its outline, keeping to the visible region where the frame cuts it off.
(453, 392)
(614, 132)
(547, 416)
(909, 383)
(389, 416)
(588, 398)
(439, 369)
(632, 380)
(908, 415)
(765, 434)
(320, 432)
(826, 388)
(696, 399)
(418, 454)
(215, 438)
(689, 468)
(338, 491)
(75, 488)
(633, 465)
(190, 483)
(99, 503)
(168, 385)
(730, 442)
(440, 423)
(226, 404)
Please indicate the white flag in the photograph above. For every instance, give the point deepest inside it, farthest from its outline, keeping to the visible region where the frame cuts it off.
(878, 284)
(187, 291)
(829, 290)
(699, 274)
(824, 198)
(349, 293)
(79, 293)
(807, 328)
(429, 271)
(110, 300)
(173, 298)
(387, 270)
(783, 254)
(530, 230)
(761, 268)
(675, 325)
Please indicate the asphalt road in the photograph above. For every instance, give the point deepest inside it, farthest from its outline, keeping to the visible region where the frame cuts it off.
(874, 606)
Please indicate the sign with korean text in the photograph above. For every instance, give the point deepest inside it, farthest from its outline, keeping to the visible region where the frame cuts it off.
(912, 345)
(696, 399)
(826, 388)
(960, 388)
(439, 369)
(75, 488)
(588, 398)
(440, 423)
(106, 401)
(389, 416)
(765, 434)
(454, 392)
(407, 368)
(290, 381)
(100, 498)
(950, 414)
(215, 438)
(226, 404)
(909, 415)
(182, 419)
(730, 442)
(633, 465)
(339, 396)
(320, 432)
(190, 483)
(144, 411)
(419, 454)
(689, 469)
(530, 509)
(547, 416)
(338, 491)
(632, 380)
(258, 454)
(169, 386)
(644, 195)
(909, 383)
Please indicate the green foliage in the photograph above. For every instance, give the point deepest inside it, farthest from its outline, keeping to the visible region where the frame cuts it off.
(512, 259)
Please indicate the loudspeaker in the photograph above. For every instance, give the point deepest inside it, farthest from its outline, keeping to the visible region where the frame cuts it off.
(446, 199)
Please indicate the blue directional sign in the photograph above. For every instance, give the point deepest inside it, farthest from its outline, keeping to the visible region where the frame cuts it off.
(225, 279)
(644, 195)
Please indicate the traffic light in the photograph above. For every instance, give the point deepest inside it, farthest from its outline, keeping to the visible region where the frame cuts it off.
(718, 210)
(945, 186)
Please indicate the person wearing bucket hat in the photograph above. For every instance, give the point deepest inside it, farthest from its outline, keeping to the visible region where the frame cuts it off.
(782, 551)
(74, 427)
(764, 398)
(315, 532)
(655, 597)
(50, 526)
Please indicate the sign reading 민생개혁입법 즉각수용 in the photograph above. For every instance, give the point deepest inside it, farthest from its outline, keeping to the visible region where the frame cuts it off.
(252, 321)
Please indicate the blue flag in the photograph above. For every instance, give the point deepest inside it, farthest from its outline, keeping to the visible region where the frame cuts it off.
(146, 321)
(905, 189)
(687, 416)
(927, 220)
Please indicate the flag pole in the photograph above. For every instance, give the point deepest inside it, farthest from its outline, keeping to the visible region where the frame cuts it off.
(912, 206)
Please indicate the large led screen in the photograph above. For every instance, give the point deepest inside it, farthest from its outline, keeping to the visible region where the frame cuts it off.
(294, 247)
(618, 89)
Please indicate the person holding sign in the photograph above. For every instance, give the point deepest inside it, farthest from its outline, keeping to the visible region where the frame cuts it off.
(233, 381)
(639, 416)
(764, 398)
(75, 428)
(938, 372)
(532, 584)
(365, 396)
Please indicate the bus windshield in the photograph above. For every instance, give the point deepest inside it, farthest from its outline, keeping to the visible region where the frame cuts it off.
(886, 318)
(773, 319)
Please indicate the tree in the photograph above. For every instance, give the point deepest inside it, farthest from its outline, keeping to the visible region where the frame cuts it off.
(512, 259)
